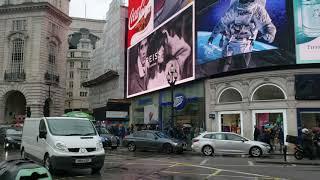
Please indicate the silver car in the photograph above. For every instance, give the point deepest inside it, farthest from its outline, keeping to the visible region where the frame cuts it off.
(209, 143)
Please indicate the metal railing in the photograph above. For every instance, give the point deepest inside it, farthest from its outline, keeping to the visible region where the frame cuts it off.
(14, 76)
(51, 77)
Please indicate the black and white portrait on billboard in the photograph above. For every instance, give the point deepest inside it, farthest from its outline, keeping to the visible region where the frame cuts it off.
(170, 46)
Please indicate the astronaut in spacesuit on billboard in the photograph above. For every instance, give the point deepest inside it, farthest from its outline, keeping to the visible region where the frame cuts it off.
(239, 27)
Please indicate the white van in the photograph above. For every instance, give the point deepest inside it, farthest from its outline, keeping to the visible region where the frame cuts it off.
(62, 143)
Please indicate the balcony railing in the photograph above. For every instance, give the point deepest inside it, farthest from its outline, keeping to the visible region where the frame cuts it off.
(51, 77)
(14, 76)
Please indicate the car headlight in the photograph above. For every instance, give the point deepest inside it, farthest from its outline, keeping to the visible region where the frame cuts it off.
(99, 146)
(174, 143)
(61, 146)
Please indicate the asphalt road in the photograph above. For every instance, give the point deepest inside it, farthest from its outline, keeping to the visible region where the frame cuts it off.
(122, 165)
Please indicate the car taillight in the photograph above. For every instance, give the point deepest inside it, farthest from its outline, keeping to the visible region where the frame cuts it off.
(195, 140)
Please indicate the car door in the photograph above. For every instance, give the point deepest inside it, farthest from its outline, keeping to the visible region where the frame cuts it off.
(236, 144)
(150, 142)
(219, 142)
(139, 139)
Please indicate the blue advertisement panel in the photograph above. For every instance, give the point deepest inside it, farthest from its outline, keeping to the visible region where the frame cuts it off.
(241, 34)
(307, 30)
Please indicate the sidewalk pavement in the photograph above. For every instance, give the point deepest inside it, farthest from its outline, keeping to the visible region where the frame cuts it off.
(279, 159)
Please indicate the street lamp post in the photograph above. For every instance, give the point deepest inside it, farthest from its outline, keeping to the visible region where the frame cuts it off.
(172, 77)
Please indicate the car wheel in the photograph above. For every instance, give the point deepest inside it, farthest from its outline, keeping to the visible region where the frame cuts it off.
(207, 150)
(167, 148)
(255, 151)
(131, 147)
(47, 164)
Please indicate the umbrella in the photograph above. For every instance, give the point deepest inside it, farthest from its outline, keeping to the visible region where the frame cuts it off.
(78, 114)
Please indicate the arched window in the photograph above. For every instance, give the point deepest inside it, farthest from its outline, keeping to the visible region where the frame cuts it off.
(52, 58)
(230, 95)
(268, 92)
(17, 56)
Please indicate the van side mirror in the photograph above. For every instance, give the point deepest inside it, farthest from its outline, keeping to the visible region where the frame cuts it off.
(43, 134)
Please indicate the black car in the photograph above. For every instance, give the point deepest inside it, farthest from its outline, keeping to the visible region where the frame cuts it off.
(108, 139)
(12, 138)
(153, 140)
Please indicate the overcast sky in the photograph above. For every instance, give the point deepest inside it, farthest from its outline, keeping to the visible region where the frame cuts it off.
(96, 9)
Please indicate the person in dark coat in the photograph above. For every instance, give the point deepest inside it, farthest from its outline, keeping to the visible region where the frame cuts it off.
(256, 133)
(307, 143)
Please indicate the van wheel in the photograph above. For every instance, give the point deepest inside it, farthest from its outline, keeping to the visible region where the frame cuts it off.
(47, 164)
(167, 148)
(95, 170)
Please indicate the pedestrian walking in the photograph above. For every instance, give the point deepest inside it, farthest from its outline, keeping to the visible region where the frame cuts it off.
(256, 133)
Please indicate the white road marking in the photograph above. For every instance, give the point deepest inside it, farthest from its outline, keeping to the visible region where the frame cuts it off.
(204, 161)
(250, 163)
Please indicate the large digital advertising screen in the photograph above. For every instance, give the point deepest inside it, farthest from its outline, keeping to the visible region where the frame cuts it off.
(241, 34)
(307, 30)
(169, 48)
(147, 15)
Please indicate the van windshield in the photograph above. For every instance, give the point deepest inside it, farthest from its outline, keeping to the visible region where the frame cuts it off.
(71, 127)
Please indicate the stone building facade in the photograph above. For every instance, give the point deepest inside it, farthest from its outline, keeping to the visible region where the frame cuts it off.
(33, 36)
(238, 103)
(83, 39)
(107, 68)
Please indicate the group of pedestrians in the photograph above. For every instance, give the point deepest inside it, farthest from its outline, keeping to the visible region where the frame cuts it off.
(311, 142)
(271, 135)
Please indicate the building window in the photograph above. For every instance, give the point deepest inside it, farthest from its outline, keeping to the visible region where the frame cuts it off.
(268, 92)
(84, 65)
(84, 75)
(85, 45)
(71, 84)
(70, 94)
(230, 95)
(71, 64)
(71, 74)
(52, 58)
(85, 54)
(83, 94)
(72, 54)
(19, 25)
(17, 56)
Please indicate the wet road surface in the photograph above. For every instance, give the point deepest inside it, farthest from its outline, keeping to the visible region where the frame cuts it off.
(122, 165)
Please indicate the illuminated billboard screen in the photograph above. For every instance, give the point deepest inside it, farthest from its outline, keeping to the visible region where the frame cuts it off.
(241, 34)
(307, 28)
(168, 49)
(146, 15)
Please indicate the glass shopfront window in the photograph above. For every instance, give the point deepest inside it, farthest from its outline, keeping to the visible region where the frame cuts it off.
(189, 112)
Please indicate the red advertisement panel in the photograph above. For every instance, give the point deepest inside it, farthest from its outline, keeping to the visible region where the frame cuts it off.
(140, 14)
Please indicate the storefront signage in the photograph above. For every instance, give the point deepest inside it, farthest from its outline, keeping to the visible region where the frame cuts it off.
(116, 114)
(180, 101)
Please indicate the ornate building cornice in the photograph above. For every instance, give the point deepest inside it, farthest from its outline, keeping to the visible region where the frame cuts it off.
(40, 6)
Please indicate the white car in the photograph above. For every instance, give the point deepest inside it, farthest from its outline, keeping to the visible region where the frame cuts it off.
(228, 143)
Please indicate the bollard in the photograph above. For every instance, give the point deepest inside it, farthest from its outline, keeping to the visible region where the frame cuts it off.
(285, 153)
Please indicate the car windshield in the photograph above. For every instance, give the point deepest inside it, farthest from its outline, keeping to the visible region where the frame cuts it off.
(162, 135)
(13, 132)
(71, 127)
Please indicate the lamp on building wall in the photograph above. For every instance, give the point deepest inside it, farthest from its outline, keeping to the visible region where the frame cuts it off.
(172, 77)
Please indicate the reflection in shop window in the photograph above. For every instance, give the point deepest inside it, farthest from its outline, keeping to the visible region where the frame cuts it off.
(310, 120)
(230, 95)
(268, 92)
(231, 123)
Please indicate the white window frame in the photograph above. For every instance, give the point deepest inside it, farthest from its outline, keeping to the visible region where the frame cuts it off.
(230, 112)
